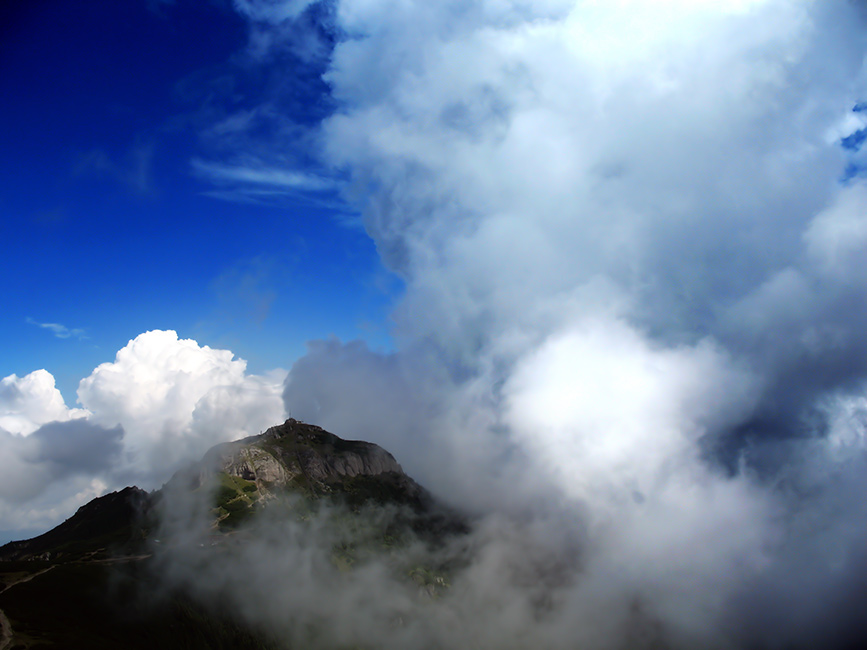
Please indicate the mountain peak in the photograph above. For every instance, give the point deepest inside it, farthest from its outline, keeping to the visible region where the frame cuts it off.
(293, 459)
(303, 450)
(306, 459)
(294, 476)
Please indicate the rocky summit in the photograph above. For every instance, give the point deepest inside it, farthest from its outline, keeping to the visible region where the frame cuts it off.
(302, 461)
(296, 451)
(93, 570)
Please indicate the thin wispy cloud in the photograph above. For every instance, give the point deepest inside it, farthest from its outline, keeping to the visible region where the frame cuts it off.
(256, 176)
(272, 13)
(134, 169)
(60, 331)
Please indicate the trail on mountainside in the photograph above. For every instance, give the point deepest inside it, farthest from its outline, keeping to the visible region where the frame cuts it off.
(6, 633)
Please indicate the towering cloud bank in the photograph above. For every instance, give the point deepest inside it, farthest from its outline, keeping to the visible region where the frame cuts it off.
(162, 403)
(175, 399)
(630, 234)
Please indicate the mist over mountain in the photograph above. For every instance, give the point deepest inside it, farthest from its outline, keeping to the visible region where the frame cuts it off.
(295, 503)
(298, 538)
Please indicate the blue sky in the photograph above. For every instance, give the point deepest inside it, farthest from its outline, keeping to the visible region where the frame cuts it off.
(121, 209)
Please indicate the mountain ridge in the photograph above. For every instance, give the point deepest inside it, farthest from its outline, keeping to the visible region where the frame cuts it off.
(95, 567)
(99, 523)
(289, 458)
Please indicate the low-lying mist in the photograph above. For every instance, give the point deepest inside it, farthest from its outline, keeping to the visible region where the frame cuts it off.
(317, 574)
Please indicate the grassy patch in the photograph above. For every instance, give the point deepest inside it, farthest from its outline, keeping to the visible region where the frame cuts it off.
(235, 500)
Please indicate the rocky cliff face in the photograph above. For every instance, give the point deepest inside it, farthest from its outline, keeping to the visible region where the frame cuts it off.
(239, 478)
(296, 459)
(295, 450)
(304, 457)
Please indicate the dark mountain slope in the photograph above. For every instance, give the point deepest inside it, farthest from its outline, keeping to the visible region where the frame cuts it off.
(113, 521)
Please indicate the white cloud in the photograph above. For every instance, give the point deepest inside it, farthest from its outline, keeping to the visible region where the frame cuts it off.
(175, 399)
(60, 331)
(614, 415)
(536, 166)
(533, 165)
(161, 404)
(837, 237)
(259, 174)
(270, 11)
(57, 501)
(631, 272)
(54, 454)
(631, 280)
(28, 402)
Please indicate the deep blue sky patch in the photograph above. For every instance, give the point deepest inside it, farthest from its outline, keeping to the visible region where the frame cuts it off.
(110, 226)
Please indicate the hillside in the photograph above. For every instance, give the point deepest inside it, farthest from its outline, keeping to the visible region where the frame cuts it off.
(116, 520)
(93, 569)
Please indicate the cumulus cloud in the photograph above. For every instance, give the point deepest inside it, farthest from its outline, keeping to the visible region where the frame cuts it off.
(175, 399)
(25, 515)
(161, 404)
(333, 380)
(838, 235)
(612, 414)
(28, 402)
(48, 454)
(658, 170)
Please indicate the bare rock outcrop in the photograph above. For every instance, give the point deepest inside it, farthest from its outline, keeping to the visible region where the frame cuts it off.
(252, 463)
(295, 451)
